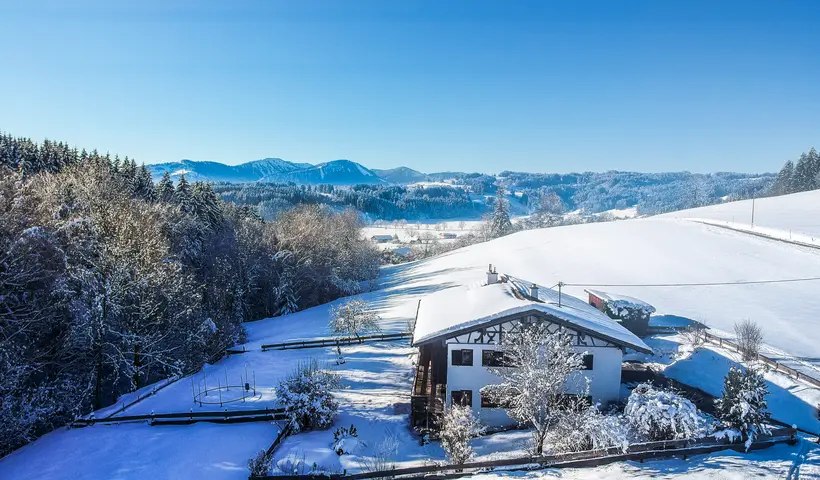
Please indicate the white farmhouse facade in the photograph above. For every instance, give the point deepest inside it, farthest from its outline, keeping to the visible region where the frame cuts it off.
(458, 331)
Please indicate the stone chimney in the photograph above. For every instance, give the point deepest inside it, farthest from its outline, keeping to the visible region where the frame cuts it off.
(534, 291)
(492, 275)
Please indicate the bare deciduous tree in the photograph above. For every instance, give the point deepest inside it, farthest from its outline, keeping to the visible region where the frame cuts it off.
(694, 336)
(353, 318)
(538, 364)
(749, 339)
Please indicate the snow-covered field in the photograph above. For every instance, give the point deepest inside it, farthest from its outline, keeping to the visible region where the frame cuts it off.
(641, 253)
(798, 213)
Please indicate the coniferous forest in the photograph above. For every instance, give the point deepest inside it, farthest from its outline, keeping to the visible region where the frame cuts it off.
(109, 282)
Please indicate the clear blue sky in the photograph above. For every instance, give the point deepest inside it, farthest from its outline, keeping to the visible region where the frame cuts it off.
(445, 85)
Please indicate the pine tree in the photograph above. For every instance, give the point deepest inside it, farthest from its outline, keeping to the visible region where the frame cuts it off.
(165, 189)
(743, 404)
(803, 178)
(783, 182)
(183, 196)
(500, 223)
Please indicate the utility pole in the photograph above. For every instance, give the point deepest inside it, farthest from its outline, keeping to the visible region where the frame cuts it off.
(753, 210)
(560, 285)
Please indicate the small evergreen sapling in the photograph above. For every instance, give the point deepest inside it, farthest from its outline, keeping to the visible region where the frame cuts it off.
(743, 404)
(459, 427)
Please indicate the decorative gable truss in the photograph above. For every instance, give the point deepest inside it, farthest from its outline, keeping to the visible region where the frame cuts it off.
(493, 334)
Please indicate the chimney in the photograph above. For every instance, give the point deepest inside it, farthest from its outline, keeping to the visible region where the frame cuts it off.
(492, 275)
(534, 291)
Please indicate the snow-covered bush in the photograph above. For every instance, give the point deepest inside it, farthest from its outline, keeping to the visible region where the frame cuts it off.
(260, 465)
(663, 415)
(353, 318)
(346, 440)
(743, 404)
(458, 427)
(306, 395)
(586, 428)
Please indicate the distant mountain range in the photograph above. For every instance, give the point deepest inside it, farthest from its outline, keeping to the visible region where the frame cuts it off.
(276, 170)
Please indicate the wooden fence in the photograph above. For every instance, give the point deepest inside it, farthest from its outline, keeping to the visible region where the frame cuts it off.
(589, 458)
(332, 342)
(777, 366)
(225, 416)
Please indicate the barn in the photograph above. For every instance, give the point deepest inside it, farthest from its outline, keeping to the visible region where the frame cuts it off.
(459, 330)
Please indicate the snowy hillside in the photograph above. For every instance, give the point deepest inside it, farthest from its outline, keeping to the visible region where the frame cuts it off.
(337, 172)
(652, 251)
(798, 212)
(401, 175)
(275, 170)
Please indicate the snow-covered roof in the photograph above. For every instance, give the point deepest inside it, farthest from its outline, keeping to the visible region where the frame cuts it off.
(458, 309)
(616, 301)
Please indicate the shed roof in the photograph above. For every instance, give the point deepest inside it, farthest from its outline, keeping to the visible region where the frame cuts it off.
(449, 312)
(622, 301)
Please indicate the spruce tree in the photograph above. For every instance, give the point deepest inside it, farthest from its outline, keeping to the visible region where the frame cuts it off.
(802, 178)
(165, 189)
(183, 196)
(783, 182)
(743, 404)
(500, 223)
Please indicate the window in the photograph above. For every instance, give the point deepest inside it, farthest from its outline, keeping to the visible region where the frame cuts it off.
(587, 362)
(461, 397)
(493, 358)
(489, 402)
(463, 357)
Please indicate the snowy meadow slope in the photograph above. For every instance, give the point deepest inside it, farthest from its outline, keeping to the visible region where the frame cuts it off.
(798, 212)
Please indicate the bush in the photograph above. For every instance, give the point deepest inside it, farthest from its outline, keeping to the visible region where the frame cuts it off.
(307, 396)
(586, 428)
(663, 415)
(458, 428)
(260, 465)
(743, 404)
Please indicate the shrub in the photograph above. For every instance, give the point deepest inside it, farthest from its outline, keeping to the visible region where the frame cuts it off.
(458, 428)
(586, 428)
(307, 396)
(663, 415)
(260, 465)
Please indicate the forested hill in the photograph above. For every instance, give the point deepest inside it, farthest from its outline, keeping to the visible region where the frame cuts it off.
(109, 282)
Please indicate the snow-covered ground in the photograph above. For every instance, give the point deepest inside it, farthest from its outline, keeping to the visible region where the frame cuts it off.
(776, 462)
(798, 212)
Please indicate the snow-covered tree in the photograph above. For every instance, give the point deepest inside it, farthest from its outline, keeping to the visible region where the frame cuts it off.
(353, 318)
(500, 223)
(583, 427)
(743, 404)
(307, 396)
(458, 427)
(663, 415)
(538, 365)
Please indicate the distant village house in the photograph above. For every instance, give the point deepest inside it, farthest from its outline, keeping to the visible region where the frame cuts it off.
(382, 238)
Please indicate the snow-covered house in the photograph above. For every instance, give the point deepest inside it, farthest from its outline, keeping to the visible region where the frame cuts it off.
(631, 312)
(382, 238)
(459, 330)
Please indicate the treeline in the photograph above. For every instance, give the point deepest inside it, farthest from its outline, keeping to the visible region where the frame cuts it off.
(800, 177)
(652, 193)
(109, 282)
(378, 201)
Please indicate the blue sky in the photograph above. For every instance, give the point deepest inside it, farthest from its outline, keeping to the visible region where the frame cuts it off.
(477, 86)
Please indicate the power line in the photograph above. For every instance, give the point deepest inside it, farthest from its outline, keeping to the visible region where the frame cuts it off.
(702, 284)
